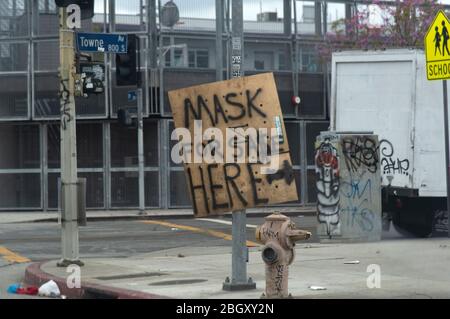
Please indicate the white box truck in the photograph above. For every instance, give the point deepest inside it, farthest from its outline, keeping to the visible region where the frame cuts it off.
(387, 93)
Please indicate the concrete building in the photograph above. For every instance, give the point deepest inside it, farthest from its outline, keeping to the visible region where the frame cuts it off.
(181, 56)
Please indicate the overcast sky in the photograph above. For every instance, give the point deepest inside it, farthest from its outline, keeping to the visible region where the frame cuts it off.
(206, 8)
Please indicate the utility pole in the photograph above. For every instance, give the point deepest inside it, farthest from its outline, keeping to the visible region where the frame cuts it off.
(219, 39)
(239, 279)
(69, 178)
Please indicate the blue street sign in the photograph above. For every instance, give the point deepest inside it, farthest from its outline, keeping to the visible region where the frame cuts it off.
(132, 96)
(102, 42)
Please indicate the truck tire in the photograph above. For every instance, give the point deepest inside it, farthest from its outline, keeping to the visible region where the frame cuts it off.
(414, 216)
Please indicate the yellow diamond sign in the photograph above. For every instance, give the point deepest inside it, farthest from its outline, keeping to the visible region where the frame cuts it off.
(437, 48)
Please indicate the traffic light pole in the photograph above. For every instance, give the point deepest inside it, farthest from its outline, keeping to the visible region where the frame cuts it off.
(239, 253)
(69, 178)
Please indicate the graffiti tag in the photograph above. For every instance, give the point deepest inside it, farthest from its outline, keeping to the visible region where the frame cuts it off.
(390, 163)
(327, 184)
(360, 151)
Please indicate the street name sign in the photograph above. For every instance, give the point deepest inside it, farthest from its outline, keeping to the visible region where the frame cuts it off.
(102, 42)
(437, 48)
(246, 102)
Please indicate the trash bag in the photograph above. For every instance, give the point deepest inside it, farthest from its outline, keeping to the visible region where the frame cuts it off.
(49, 289)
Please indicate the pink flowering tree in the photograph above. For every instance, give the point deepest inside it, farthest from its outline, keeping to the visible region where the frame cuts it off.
(379, 26)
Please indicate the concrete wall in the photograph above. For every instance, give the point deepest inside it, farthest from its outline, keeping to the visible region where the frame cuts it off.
(348, 187)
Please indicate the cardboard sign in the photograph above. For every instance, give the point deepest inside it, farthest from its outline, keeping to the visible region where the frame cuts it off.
(242, 103)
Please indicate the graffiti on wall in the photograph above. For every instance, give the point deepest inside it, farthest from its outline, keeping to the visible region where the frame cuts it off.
(345, 192)
(357, 202)
(390, 163)
(327, 184)
(65, 108)
(360, 152)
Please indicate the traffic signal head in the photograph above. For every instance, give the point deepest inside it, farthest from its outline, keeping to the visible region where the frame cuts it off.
(126, 73)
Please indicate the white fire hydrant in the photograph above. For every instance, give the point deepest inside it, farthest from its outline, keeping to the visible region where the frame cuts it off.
(278, 234)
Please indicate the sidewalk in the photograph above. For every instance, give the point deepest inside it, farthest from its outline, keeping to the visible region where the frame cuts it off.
(410, 268)
(93, 215)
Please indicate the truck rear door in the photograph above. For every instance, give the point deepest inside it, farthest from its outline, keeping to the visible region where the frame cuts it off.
(375, 92)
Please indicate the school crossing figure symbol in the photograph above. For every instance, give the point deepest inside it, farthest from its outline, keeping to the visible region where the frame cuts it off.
(437, 51)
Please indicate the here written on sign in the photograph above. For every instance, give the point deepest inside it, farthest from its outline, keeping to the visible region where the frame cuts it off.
(233, 144)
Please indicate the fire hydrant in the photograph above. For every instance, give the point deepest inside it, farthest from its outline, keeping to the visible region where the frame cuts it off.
(278, 234)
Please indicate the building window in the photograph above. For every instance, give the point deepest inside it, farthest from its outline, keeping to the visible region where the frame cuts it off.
(282, 62)
(179, 58)
(47, 6)
(4, 25)
(198, 58)
(308, 60)
(4, 50)
(264, 61)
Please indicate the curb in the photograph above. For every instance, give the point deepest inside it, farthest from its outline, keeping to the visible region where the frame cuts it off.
(168, 216)
(35, 276)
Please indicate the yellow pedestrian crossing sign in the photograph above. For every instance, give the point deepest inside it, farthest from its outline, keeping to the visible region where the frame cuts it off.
(437, 48)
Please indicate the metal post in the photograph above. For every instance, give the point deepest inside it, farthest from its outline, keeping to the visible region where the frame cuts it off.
(325, 18)
(287, 18)
(318, 18)
(348, 16)
(152, 34)
(140, 133)
(294, 54)
(447, 162)
(69, 179)
(219, 40)
(239, 280)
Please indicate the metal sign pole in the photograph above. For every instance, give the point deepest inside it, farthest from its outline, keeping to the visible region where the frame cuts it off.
(69, 178)
(239, 259)
(447, 162)
(140, 127)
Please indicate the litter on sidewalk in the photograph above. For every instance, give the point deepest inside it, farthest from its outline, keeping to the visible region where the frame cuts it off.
(49, 289)
(352, 262)
(317, 288)
(12, 289)
(32, 291)
(17, 289)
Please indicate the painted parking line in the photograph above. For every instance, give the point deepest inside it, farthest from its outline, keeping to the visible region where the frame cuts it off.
(225, 222)
(198, 230)
(11, 256)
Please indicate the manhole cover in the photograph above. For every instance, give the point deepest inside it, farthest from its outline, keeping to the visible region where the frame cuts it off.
(177, 282)
(130, 276)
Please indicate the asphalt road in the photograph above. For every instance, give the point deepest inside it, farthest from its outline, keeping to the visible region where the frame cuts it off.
(21, 243)
(41, 241)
